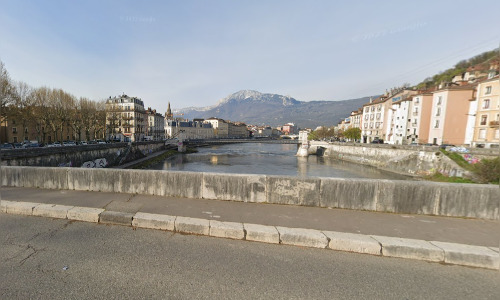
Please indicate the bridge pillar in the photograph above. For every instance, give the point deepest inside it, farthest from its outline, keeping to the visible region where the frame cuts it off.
(304, 144)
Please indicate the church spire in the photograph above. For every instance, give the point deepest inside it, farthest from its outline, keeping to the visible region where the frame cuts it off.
(169, 112)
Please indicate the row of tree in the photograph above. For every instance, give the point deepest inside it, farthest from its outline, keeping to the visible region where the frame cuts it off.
(322, 133)
(45, 111)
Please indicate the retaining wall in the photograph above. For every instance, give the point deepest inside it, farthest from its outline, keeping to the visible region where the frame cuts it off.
(73, 156)
(407, 160)
(409, 197)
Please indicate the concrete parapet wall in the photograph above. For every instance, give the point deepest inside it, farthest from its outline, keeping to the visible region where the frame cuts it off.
(409, 197)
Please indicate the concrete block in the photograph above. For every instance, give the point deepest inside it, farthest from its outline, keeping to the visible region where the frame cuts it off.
(154, 221)
(409, 248)
(348, 193)
(469, 200)
(234, 187)
(45, 178)
(408, 197)
(262, 233)
(52, 211)
(352, 242)
(302, 237)
(21, 208)
(179, 184)
(115, 217)
(230, 230)
(3, 205)
(467, 255)
(11, 176)
(86, 214)
(293, 190)
(192, 225)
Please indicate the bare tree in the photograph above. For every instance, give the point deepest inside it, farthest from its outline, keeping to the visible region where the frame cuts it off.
(6, 92)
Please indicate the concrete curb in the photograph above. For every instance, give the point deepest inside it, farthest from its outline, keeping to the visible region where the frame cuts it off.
(450, 253)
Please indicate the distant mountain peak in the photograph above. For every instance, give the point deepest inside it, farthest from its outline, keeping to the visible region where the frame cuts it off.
(258, 96)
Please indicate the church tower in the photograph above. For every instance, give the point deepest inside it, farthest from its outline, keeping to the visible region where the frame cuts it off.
(169, 114)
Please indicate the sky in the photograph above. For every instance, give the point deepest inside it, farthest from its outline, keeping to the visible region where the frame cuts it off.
(195, 52)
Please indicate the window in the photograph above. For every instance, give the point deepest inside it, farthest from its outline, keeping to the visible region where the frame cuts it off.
(367, 109)
(26, 130)
(15, 139)
(440, 99)
(378, 116)
(436, 124)
(14, 130)
(417, 101)
(484, 119)
(488, 90)
(482, 133)
(373, 108)
(486, 103)
(438, 111)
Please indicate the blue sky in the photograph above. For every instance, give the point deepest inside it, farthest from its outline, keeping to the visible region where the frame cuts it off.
(193, 53)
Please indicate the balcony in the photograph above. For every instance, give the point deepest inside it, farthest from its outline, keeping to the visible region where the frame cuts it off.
(494, 123)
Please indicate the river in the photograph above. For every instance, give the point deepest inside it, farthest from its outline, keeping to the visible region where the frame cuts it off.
(269, 159)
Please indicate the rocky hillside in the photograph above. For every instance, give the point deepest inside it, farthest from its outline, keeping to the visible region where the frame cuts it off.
(257, 108)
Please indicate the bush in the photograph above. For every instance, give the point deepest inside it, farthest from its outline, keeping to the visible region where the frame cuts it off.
(488, 170)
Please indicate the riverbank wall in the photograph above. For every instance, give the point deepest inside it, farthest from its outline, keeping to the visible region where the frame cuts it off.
(76, 156)
(405, 197)
(407, 160)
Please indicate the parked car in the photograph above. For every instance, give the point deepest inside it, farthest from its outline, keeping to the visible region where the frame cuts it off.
(18, 145)
(377, 141)
(69, 143)
(101, 142)
(6, 146)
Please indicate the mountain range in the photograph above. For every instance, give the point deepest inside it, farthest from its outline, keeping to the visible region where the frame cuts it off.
(252, 107)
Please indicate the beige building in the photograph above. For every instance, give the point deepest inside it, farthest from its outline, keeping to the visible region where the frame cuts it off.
(125, 119)
(155, 129)
(486, 125)
(419, 117)
(356, 118)
(448, 121)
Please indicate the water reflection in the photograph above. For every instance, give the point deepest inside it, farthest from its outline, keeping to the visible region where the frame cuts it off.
(269, 159)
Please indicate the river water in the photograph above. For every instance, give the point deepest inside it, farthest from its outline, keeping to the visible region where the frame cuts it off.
(268, 159)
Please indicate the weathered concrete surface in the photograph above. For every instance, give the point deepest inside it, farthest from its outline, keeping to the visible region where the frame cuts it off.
(466, 200)
(409, 248)
(192, 225)
(235, 187)
(85, 214)
(348, 193)
(302, 237)
(261, 233)
(352, 242)
(231, 230)
(468, 255)
(292, 190)
(410, 197)
(116, 217)
(20, 208)
(180, 184)
(154, 221)
(52, 211)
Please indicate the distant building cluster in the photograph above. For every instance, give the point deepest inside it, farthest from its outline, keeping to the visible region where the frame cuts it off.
(464, 111)
(128, 120)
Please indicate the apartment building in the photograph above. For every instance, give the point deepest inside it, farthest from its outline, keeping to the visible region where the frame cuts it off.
(355, 119)
(196, 129)
(419, 116)
(485, 130)
(125, 119)
(449, 111)
(155, 129)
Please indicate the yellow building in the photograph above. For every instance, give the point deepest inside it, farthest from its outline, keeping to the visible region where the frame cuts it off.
(486, 127)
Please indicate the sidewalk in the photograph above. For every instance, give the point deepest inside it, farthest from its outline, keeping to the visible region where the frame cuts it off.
(427, 228)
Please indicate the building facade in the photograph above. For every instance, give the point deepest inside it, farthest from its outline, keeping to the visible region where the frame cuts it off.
(487, 114)
(125, 119)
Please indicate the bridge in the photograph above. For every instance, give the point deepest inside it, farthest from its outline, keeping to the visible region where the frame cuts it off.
(203, 142)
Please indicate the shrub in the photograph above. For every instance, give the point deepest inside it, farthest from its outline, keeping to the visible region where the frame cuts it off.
(488, 170)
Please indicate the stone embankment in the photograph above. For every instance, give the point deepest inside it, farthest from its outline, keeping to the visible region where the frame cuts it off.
(76, 156)
(409, 197)
(407, 160)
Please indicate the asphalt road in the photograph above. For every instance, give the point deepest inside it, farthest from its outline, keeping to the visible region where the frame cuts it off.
(42, 258)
